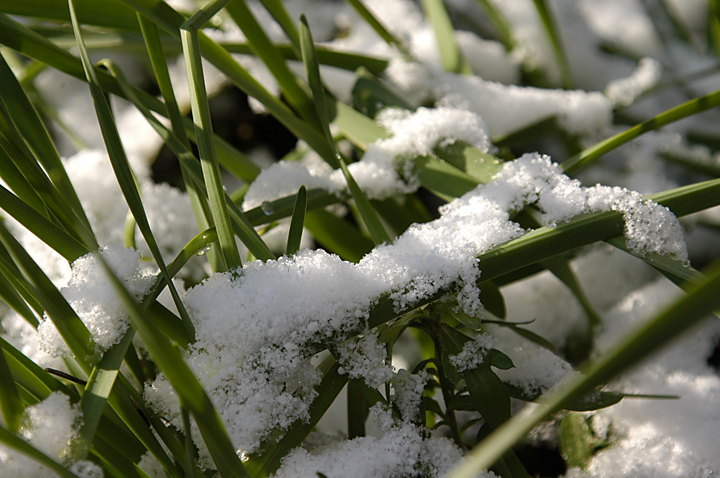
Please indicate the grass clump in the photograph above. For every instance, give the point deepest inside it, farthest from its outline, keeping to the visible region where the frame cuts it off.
(484, 243)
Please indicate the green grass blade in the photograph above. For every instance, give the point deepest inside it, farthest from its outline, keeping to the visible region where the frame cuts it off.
(714, 19)
(442, 178)
(367, 212)
(10, 404)
(203, 131)
(451, 57)
(105, 13)
(71, 328)
(689, 108)
(19, 445)
(501, 24)
(170, 361)
(296, 224)
(357, 127)
(640, 343)
(357, 408)
(552, 31)
(47, 231)
(121, 167)
(16, 181)
(14, 300)
(29, 375)
(379, 28)
(38, 139)
(264, 49)
(98, 389)
(281, 15)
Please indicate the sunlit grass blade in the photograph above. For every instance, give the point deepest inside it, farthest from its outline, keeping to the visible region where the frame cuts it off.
(367, 212)
(203, 131)
(504, 30)
(283, 207)
(297, 222)
(379, 28)
(46, 230)
(16, 181)
(170, 361)
(38, 139)
(14, 300)
(108, 13)
(98, 389)
(450, 55)
(552, 31)
(638, 344)
(370, 95)
(264, 49)
(280, 14)
(356, 127)
(261, 465)
(689, 108)
(443, 179)
(18, 445)
(71, 328)
(121, 166)
(29, 375)
(10, 404)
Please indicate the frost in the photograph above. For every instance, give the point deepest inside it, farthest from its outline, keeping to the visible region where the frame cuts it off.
(365, 358)
(473, 353)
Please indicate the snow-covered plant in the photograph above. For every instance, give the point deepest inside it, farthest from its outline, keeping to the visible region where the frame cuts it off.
(469, 262)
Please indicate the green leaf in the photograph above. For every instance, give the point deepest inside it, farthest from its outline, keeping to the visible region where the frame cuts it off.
(379, 28)
(442, 178)
(492, 299)
(466, 157)
(358, 408)
(577, 440)
(296, 224)
(552, 30)
(370, 95)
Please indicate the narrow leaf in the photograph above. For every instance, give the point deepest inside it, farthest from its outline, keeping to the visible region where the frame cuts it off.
(297, 222)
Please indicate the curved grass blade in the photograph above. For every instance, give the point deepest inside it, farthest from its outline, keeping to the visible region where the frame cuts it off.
(121, 167)
(33, 130)
(367, 212)
(649, 337)
(264, 49)
(296, 224)
(171, 363)
(14, 300)
(29, 375)
(450, 55)
(380, 29)
(338, 235)
(108, 13)
(689, 108)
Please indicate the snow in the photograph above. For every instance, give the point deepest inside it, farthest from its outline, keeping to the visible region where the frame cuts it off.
(472, 353)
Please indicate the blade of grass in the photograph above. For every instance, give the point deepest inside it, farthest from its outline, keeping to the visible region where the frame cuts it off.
(29, 375)
(296, 224)
(367, 212)
(645, 339)
(121, 167)
(10, 404)
(380, 29)
(14, 300)
(98, 389)
(498, 19)
(451, 57)
(689, 108)
(338, 235)
(108, 13)
(264, 49)
(203, 132)
(38, 139)
(171, 363)
(551, 29)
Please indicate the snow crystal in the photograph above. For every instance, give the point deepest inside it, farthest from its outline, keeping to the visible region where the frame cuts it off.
(408, 388)
(473, 353)
(93, 298)
(624, 91)
(400, 452)
(50, 426)
(364, 358)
